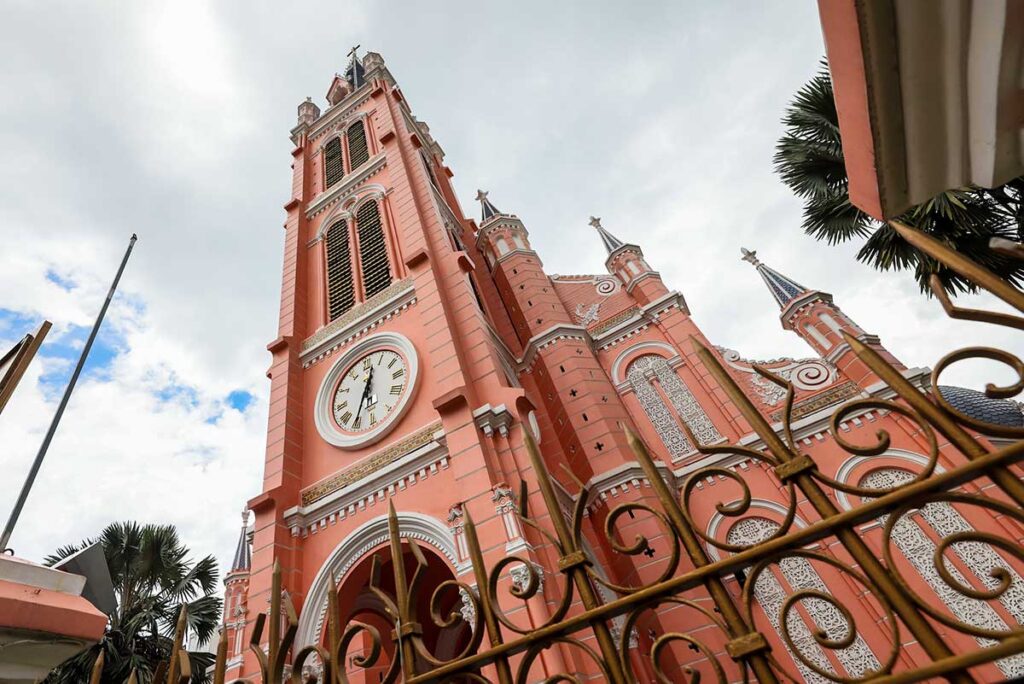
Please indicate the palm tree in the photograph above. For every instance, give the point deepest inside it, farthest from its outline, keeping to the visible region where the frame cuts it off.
(152, 577)
(809, 159)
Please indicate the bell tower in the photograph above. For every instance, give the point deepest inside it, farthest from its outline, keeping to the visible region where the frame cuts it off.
(394, 373)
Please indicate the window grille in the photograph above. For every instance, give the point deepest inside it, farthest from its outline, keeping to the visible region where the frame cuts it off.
(340, 294)
(358, 152)
(334, 170)
(373, 252)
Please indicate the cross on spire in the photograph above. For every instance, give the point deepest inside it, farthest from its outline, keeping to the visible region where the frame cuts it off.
(487, 210)
(354, 74)
(783, 289)
(611, 243)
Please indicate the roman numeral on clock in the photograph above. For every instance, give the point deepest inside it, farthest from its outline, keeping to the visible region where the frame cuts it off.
(393, 361)
(357, 422)
(347, 416)
(398, 373)
(396, 389)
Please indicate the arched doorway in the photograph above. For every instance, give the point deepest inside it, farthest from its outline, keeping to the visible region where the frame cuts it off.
(358, 602)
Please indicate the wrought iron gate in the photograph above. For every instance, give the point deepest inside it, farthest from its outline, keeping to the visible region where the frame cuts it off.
(510, 650)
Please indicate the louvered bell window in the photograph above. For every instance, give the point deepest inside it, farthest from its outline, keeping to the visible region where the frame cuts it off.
(358, 152)
(340, 294)
(373, 252)
(334, 170)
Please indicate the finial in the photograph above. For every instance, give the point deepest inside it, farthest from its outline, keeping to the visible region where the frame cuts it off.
(487, 210)
(245, 516)
(750, 256)
(595, 221)
(352, 52)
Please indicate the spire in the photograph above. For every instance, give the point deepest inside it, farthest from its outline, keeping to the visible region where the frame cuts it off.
(243, 556)
(354, 72)
(487, 210)
(782, 288)
(611, 242)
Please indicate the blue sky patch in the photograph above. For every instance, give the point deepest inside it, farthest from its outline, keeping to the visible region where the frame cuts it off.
(60, 281)
(240, 400)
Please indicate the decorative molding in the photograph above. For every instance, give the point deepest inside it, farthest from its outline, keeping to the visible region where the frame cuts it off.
(586, 316)
(358, 320)
(520, 576)
(621, 327)
(555, 333)
(378, 461)
(493, 419)
(615, 320)
(348, 209)
(666, 350)
(822, 400)
(347, 186)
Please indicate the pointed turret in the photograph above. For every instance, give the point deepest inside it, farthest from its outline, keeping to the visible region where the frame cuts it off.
(627, 261)
(611, 243)
(784, 289)
(487, 210)
(813, 315)
(243, 556)
(355, 74)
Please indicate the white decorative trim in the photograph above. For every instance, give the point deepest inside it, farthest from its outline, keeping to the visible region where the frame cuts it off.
(643, 317)
(555, 333)
(371, 318)
(669, 352)
(354, 547)
(493, 418)
(375, 487)
(848, 466)
(347, 210)
(323, 413)
(347, 186)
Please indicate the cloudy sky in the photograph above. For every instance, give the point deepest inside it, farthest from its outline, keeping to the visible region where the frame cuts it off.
(171, 120)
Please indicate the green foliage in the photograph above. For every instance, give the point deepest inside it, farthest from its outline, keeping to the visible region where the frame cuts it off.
(809, 159)
(153, 577)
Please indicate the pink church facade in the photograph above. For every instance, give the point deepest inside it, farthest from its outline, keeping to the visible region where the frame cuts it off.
(415, 348)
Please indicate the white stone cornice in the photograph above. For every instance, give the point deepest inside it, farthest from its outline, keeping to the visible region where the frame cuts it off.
(416, 465)
(359, 320)
(499, 221)
(553, 334)
(493, 419)
(348, 185)
(643, 317)
(643, 276)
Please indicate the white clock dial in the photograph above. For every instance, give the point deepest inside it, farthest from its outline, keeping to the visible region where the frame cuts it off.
(370, 391)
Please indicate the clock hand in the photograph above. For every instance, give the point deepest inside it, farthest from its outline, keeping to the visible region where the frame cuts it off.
(366, 392)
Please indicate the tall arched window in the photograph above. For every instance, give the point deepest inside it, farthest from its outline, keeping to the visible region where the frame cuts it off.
(800, 575)
(373, 251)
(334, 170)
(358, 152)
(919, 549)
(340, 295)
(816, 334)
(642, 375)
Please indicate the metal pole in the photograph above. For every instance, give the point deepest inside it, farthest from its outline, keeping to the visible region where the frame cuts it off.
(27, 486)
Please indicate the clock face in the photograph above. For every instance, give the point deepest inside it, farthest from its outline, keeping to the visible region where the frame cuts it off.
(370, 391)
